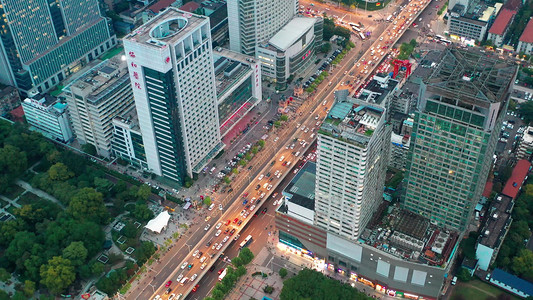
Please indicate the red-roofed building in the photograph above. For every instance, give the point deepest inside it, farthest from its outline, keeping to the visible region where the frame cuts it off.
(525, 43)
(500, 26)
(17, 114)
(162, 5)
(519, 176)
(190, 6)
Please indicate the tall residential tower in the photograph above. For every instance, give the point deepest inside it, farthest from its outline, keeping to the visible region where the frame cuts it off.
(254, 21)
(170, 61)
(353, 149)
(43, 41)
(457, 124)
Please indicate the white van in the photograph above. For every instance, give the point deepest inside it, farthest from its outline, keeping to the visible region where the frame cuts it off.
(211, 206)
(211, 171)
(184, 280)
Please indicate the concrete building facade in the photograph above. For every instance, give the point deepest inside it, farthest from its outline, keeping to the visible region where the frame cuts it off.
(170, 61)
(48, 116)
(95, 98)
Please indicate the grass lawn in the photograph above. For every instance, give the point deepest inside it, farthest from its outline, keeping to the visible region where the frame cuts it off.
(478, 290)
(28, 198)
(13, 191)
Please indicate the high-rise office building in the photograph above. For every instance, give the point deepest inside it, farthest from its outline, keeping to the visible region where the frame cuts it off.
(456, 128)
(255, 21)
(43, 41)
(353, 151)
(95, 98)
(170, 60)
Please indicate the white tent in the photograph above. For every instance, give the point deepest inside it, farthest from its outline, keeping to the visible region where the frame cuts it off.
(158, 223)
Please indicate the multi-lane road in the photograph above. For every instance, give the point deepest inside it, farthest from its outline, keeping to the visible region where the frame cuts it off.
(258, 187)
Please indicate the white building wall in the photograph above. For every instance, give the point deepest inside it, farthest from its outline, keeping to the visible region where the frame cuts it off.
(484, 256)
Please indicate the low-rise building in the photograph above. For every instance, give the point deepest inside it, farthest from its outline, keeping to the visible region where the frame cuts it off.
(493, 233)
(290, 51)
(511, 283)
(48, 116)
(399, 150)
(95, 98)
(127, 142)
(9, 99)
(525, 146)
(525, 42)
(517, 179)
(470, 23)
(238, 85)
(500, 26)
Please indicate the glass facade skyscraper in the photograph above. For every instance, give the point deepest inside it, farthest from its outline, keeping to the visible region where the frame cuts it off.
(457, 124)
(43, 41)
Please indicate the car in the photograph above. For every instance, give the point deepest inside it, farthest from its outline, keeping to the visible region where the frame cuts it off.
(242, 212)
(487, 278)
(219, 246)
(225, 239)
(193, 277)
(220, 207)
(218, 225)
(275, 202)
(220, 271)
(199, 254)
(206, 228)
(190, 266)
(260, 177)
(246, 215)
(276, 173)
(208, 244)
(257, 187)
(279, 175)
(296, 170)
(264, 211)
(184, 265)
(265, 185)
(207, 218)
(284, 163)
(203, 259)
(211, 206)
(203, 266)
(244, 201)
(280, 159)
(235, 220)
(179, 278)
(454, 280)
(218, 232)
(157, 297)
(226, 231)
(253, 200)
(288, 163)
(214, 246)
(212, 268)
(168, 291)
(171, 297)
(228, 222)
(168, 283)
(232, 232)
(252, 208)
(239, 223)
(245, 195)
(195, 288)
(196, 253)
(262, 195)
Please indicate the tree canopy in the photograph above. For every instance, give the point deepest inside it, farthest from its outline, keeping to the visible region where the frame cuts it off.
(310, 284)
(88, 204)
(57, 274)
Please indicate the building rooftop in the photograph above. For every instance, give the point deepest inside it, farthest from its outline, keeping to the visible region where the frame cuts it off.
(101, 80)
(471, 76)
(528, 135)
(161, 5)
(378, 89)
(513, 4)
(291, 32)
(502, 22)
(302, 187)
(527, 35)
(498, 218)
(128, 119)
(353, 120)
(190, 6)
(167, 27)
(520, 172)
(411, 237)
(512, 281)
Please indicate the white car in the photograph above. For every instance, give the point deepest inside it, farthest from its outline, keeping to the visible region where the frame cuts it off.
(218, 232)
(282, 157)
(306, 130)
(207, 227)
(317, 116)
(203, 259)
(289, 162)
(218, 225)
(269, 187)
(279, 175)
(242, 212)
(312, 135)
(276, 173)
(211, 206)
(203, 266)
(292, 147)
(157, 297)
(219, 246)
(302, 128)
(245, 215)
(260, 177)
(275, 202)
(265, 185)
(214, 246)
(220, 207)
(262, 195)
(225, 239)
(276, 139)
(184, 265)
(252, 207)
(196, 253)
(179, 278)
(297, 153)
(193, 277)
(297, 126)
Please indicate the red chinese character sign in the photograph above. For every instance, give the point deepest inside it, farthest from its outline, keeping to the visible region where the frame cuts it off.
(167, 60)
(131, 54)
(135, 74)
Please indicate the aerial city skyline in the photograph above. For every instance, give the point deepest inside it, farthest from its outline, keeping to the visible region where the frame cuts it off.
(174, 149)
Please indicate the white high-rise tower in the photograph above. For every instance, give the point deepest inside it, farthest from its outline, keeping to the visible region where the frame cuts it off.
(172, 75)
(254, 21)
